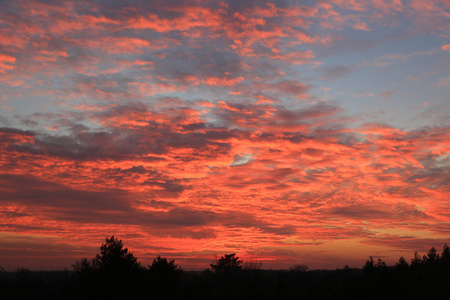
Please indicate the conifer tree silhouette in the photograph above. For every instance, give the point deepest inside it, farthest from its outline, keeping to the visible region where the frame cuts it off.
(113, 257)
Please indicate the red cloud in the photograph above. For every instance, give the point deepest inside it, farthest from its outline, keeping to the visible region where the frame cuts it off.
(6, 63)
(176, 171)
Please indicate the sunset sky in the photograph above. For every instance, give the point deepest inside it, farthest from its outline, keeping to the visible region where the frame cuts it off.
(312, 132)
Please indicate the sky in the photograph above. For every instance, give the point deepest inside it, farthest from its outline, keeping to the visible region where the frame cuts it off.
(288, 132)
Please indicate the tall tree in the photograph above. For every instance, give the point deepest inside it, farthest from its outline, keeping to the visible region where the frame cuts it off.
(401, 263)
(416, 261)
(432, 256)
(114, 273)
(445, 255)
(369, 265)
(113, 257)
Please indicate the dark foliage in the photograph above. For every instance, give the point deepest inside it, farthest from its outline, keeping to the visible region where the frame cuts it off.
(164, 278)
(416, 261)
(115, 274)
(401, 264)
(163, 266)
(298, 268)
(114, 258)
(227, 263)
(369, 266)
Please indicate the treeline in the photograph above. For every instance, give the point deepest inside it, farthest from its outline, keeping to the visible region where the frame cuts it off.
(115, 273)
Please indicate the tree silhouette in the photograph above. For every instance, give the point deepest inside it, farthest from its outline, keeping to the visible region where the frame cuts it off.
(2, 271)
(164, 278)
(162, 265)
(114, 273)
(401, 263)
(369, 265)
(416, 261)
(380, 263)
(432, 256)
(113, 257)
(229, 262)
(83, 267)
(445, 255)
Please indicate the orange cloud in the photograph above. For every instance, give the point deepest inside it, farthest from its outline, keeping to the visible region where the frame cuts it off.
(223, 81)
(177, 178)
(6, 63)
(121, 44)
(191, 17)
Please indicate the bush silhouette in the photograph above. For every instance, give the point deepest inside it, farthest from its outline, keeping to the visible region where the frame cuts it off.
(252, 264)
(163, 266)
(298, 268)
(229, 262)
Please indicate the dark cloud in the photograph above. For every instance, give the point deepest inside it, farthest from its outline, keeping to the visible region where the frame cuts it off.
(336, 72)
(170, 186)
(83, 146)
(55, 196)
(13, 135)
(292, 87)
(136, 169)
(319, 110)
(109, 206)
(114, 206)
(410, 243)
(376, 212)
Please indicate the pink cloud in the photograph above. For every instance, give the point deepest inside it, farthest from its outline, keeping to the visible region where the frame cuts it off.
(6, 63)
(121, 44)
(389, 6)
(387, 94)
(223, 81)
(167, 163)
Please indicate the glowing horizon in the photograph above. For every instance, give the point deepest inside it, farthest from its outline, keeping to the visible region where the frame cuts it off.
(312, 132)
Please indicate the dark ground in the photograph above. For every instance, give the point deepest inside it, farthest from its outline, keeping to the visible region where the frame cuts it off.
(386, 282)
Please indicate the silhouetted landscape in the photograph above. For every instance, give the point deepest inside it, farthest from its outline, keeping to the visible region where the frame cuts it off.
(235, 149)
(115, 273)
